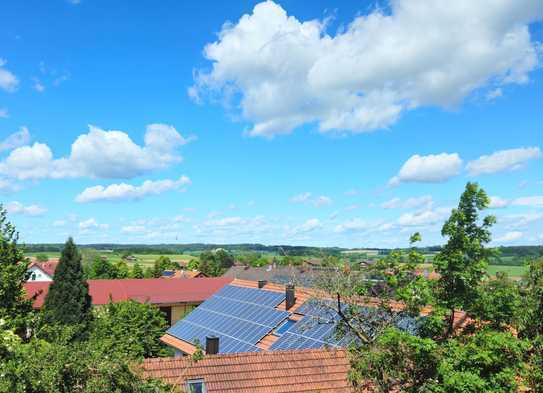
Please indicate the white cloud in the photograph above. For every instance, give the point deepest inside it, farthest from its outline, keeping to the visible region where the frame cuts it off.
(286, 72)
(59, 223)
(494, 93)
(307, 197)
(38, 86)
(308, 226)
(322, 201)
(17, 139)
(91, 224)
(354, 225)
(521, 220)
(98, 154)
(410, 203)
(498, 203)
(510, 237)
(4, 114)
(124, 192)
(8, 81)
(503, 160)
(433, 168)
(30, 210)
(536, 200)
(424, 217)
(301, 198)
(133, 229)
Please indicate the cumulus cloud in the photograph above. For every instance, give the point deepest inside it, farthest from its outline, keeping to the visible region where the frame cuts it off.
(509, 237)
(125, 192)
(59, 223)
(17, 139)
(498, 203)
(132, 229)
(308, 226)
(91, 224)
(284, 72)
(433, 168)
(98, 154)
(410, 203)
(30, 210)
(8, 81)
(308, 198)
(534, 201)
(424, 217)
(503, 160)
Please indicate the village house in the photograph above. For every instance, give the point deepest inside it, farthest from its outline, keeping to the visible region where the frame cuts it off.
(42, 271)
(176, 298)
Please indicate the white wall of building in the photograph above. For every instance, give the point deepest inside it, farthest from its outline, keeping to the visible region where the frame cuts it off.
(36, 274)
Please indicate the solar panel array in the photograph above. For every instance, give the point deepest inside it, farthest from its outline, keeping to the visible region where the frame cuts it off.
(318, 327)
(240, 317)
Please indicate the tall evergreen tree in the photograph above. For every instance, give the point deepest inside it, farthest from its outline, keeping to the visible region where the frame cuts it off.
(464, 259)
(68, 301)
(14, 308)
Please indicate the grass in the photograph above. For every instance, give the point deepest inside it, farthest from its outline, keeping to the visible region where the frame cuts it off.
(513, 271)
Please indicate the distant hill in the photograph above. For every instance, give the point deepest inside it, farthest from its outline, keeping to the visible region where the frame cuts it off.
(505, 253)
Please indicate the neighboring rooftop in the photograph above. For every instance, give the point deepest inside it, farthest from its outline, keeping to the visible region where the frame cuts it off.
(48, 267)
(153, 290)
(305, 276)
(315, 370)
(182, 274)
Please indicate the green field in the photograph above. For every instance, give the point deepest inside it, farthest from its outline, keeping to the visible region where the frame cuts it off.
(143, 259)
(512, 271)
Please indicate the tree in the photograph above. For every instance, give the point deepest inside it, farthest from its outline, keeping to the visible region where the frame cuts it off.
(137, 271)
(463, 261)
(130, 328)
(101, 268)
(15, 309)
(164, 263)
(68, 301)
(209, 265)
(122, 270)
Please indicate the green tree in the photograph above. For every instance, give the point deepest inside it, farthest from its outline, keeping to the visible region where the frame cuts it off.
(15, 309)
(164, 263)
(130, 328)
(498, 302)
(209, 265)
(122, 270)
(101, 268)
(68, 301)
(137, 271)
(463, 261)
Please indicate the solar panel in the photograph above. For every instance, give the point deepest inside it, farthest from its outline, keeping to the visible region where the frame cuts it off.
(260, 297)
(234, 315)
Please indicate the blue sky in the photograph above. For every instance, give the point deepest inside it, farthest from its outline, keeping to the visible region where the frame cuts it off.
(331, 123)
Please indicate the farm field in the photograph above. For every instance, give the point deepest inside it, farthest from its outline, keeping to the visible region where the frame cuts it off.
(143, 259)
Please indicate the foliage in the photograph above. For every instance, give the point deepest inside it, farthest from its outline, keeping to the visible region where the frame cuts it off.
(463, 261)
(68, 301)
(61, 367)
(498, 302)
(131, 328)
(396, 359)
(14, 308)
(137, 271)
(101, 268)
(214, 263)
(163, 263)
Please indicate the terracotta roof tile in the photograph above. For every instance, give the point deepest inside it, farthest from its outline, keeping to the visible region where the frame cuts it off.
(314, 370)
(153, 290)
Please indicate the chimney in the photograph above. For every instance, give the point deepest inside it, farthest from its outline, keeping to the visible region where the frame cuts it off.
(261, 283)
(212, 345)
(290, 297)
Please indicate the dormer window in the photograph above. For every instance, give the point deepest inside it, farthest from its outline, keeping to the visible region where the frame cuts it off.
(196, 386)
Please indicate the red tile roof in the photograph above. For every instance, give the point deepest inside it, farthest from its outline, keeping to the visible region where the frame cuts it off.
(313, 370)
(48, 267)
(153, 290)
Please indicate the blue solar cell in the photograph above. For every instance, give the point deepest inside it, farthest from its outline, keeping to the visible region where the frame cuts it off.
(260, 297)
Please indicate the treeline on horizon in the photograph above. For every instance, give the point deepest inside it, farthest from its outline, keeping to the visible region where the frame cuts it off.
(196, 248)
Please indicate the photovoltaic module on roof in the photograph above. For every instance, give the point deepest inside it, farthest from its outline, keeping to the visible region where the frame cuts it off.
(240, 317)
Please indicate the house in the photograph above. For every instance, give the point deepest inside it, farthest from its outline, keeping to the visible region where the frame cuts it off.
(176, 298)
(310, 370)
(182, 274)
(248, 316)
(306, 276)
(42, 271)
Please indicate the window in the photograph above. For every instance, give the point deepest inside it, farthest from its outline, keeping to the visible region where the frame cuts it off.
(196, 386)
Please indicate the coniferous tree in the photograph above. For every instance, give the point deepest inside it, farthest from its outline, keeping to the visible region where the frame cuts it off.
(68, 301)
(14, 308)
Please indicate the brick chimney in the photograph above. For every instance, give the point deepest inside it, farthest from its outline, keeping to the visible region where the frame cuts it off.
(212, 345)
